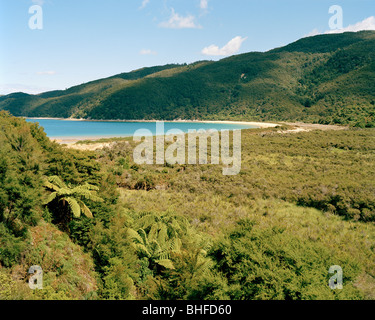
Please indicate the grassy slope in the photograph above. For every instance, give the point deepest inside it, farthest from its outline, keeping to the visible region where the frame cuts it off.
(326, 78)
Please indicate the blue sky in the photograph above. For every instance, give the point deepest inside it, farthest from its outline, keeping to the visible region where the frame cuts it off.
(84, 40)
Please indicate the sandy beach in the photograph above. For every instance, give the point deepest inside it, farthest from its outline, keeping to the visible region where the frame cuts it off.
(70, 141)
(246, 123)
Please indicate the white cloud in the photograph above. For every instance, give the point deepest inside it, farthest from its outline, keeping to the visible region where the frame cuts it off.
(144, 4)
(230, 48)
(46, 73)
(313, 33)
(366, 24)
(147, 52)
(204, 4)
(179, 22)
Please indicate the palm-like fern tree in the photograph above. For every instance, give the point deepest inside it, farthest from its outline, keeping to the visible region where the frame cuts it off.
(71, 199)
(158, 236)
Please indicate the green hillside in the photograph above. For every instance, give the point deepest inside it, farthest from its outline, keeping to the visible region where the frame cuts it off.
(326, 79)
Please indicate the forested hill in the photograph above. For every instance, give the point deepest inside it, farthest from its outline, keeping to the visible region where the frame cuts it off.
(326, 79)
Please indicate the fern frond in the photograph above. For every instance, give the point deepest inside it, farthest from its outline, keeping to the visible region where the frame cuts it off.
(163, 234)
(74, 206)
(64, 192)
(57, 181)
(166, 263)
(174, 245)
(87, 194)
(50, 198)
(163, 255)
(134, 236)
(86, 211)
(146, 220)
(141, 250)
(154, 232)
(90, 187)
(155, 248)
(143, 236)
(48, 185)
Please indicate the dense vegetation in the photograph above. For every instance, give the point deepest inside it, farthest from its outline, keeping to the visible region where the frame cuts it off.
(103, 227)
(326, 79)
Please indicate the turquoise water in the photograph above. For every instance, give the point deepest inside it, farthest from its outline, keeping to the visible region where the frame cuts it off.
(108, 129)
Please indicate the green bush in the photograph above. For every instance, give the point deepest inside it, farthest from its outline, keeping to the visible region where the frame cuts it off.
(264, 264)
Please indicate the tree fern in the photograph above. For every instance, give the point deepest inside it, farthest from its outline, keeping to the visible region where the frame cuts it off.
(63, 194)
(159, 236)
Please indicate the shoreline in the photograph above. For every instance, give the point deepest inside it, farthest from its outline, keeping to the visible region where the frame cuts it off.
(73, 139)
(261, 125)
(71, 142)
